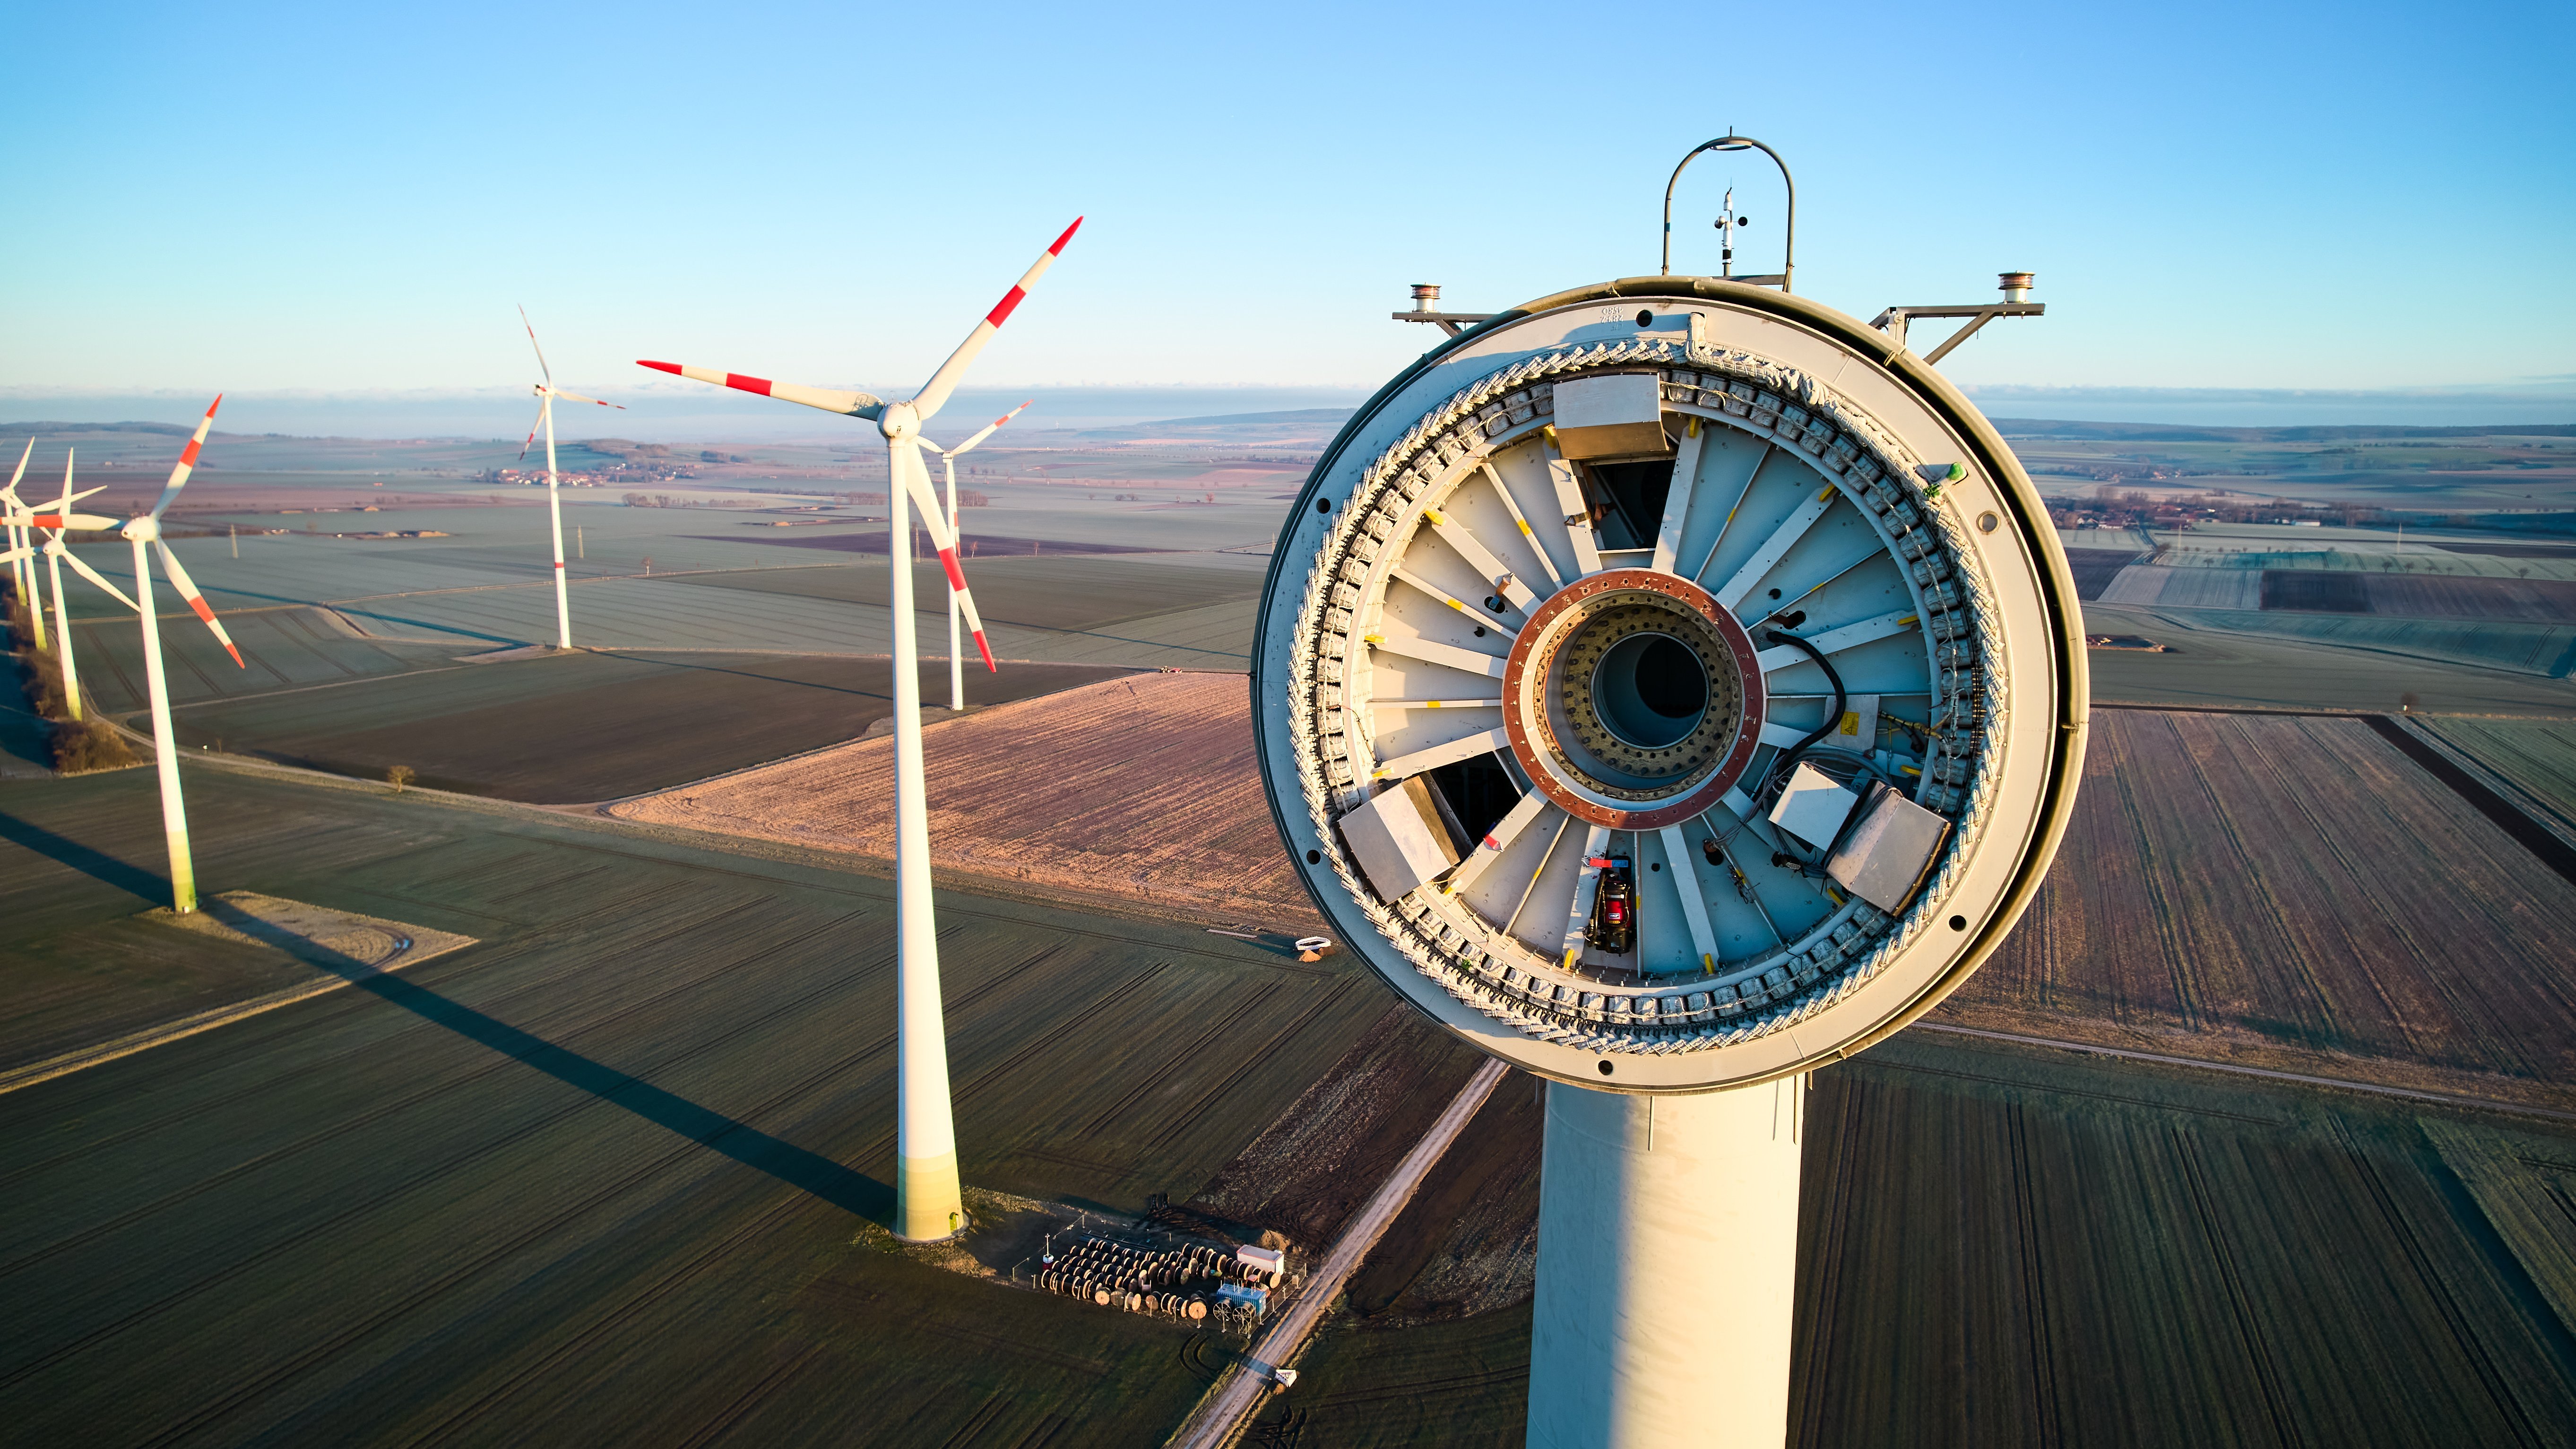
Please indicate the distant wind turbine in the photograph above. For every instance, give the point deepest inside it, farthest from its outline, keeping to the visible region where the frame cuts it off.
(22, 572)
(55, 523)
(928, 1203)
(145, 534)
(948, 461)
(547, 392)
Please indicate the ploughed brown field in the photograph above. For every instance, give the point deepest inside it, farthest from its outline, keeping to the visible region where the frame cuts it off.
(2274, 890)
(1142, 787)
(2291, 891)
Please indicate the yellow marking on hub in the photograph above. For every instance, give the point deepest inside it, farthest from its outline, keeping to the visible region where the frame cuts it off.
(1908, 619)
(1707, 963)
(1433, 517)
(1828, 493)
(1372, 638)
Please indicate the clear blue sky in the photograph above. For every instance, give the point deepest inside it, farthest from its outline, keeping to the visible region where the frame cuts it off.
(352, 197)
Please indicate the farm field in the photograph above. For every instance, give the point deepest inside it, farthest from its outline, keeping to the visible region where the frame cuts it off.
(597, 1178)
(1142, 787)
(1072, 594)
(2538, 756)
(1190, 610)
(2215, 667)
(2001, 1246)
(2282, 889)
(2276, 889)
(591, 725)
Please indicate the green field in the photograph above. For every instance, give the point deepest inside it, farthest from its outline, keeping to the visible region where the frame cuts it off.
(589, 726)
(2537, 756)
(596, 1179)
(2215, 669)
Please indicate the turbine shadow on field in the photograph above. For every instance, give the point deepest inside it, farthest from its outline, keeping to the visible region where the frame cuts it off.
(810, 1172)
(95, 864)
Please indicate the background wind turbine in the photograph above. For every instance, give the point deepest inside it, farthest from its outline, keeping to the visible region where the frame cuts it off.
(22, 570)
(145, 534)
(927, 1200)
(948, 462)
(55, 523)
(547, 392)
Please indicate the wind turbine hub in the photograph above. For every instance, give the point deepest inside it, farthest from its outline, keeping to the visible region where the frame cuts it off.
(142, 530)
(1632, 699)
(898, 422)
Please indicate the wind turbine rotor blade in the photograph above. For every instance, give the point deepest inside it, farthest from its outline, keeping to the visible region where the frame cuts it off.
(187, 588)
(15, 554)
(187, 458)
(830, 400)
(988, 429)
(94, 576)
(531, 440)
(577, 397)
(532, 342)
(23, 455)
(90, 522)
(934, 393)
(916, 482)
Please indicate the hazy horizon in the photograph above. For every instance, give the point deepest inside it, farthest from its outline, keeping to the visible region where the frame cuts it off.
(665, 413)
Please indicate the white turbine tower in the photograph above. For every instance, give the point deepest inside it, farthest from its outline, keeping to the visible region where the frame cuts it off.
(1768, 631)
(145, 534)
(948, 461)
(55, 523)
(547, 392)
(928, 1204)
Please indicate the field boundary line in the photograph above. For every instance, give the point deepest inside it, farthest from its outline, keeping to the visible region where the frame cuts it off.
(2348, 1084)
(2533, 808)
(1228, 1408)
(2531, 834)
(101, 1053)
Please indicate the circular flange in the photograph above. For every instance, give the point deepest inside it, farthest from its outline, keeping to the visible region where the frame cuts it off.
(1465, 606)
(1571, 746)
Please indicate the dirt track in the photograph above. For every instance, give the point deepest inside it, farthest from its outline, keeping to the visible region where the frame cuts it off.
(1142, 787)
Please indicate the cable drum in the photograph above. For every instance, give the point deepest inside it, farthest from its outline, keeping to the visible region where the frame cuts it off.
(1636, 622)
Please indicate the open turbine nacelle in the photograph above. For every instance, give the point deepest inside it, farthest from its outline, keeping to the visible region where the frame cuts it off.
(1670, 685)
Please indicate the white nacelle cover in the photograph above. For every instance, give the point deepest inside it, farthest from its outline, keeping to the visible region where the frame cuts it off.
(1398, 838)
(1812, 807)
(1888, 851)
(1621, 415)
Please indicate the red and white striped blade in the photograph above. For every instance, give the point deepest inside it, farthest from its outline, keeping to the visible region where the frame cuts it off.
(188, 458)
(577, 397)
(531, 440)
(93, 522)
(988, 429)
(187, 588)
(906, 460)
(830, 400)
(95, 577)
(532, 342)
(934, 393)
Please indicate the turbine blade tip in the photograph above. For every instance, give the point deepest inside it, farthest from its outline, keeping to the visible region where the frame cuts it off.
(669, 367)
(1058, 248)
